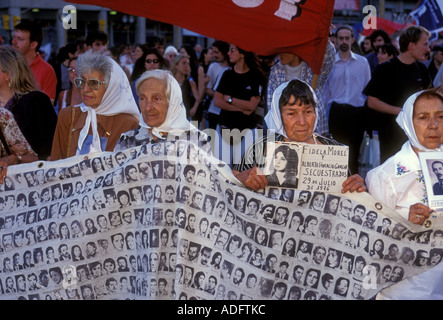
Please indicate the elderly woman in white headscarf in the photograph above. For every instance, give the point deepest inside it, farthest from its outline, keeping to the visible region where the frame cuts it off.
(399, 182)
(163, 113)
(293, 118)
(108, 109)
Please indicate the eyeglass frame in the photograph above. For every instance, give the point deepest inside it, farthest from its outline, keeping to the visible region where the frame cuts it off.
(86, 82)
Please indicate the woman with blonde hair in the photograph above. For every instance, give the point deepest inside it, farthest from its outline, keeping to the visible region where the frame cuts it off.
(32, 109)
(181, 71)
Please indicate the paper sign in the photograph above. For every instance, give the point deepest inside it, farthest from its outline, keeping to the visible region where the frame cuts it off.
(323, 167)
(432, 168)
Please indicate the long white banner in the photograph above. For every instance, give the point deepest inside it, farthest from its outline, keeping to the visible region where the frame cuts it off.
(167, 222)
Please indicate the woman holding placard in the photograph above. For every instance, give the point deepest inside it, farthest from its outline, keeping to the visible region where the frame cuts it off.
(399, 181)
(293, 117)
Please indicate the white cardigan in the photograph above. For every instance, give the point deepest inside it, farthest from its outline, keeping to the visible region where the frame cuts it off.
(398, 182)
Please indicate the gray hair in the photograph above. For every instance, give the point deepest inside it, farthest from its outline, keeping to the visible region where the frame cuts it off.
(158, 74)
(90, 60)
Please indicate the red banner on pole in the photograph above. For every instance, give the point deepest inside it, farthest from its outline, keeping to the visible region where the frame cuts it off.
(263, 26)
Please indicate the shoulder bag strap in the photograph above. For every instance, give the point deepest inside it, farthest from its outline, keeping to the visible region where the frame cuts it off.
(70, 131)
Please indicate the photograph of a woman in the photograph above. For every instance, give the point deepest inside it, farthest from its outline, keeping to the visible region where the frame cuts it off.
(283, 169)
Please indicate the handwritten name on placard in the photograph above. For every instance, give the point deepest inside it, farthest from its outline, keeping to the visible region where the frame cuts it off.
(323, 168)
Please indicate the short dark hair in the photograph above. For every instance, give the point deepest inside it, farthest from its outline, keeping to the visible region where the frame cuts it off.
(300, 90)
(411, 34)
(222, 46)
(96, 35)
(379, 33)
(389, 49)
(34, 29)
(346, 27)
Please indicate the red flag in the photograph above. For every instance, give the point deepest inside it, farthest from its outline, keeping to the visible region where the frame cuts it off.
(389, 26)
(263, 26)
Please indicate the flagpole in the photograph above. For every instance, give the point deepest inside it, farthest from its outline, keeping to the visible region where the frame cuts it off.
(314, 81)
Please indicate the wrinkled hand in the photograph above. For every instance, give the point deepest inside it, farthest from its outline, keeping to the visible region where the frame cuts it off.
(354, 183)
(3, 171)
(419, 213)
(252, 178)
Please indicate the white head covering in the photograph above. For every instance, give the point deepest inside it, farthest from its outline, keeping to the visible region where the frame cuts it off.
(175, 122)
(118, 98)
(404, 120)
(273, 117)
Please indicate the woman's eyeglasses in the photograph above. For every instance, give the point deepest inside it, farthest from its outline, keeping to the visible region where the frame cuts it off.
(71, 69)
(233, 49)
(149, 61)
(94, 84)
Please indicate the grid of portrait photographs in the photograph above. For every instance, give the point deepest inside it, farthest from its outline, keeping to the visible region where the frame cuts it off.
(148, 224)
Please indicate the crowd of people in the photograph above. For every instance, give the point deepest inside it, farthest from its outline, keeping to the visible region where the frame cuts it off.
(95, 98)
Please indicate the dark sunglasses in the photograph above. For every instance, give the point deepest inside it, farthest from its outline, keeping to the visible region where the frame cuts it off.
(151, 61)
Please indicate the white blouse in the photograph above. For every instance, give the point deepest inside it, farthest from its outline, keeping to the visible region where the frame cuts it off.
(398, 182)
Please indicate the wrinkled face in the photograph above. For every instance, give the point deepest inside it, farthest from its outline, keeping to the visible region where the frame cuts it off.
(153, 102)
(428, 122)
(298, 120)
(92, 98)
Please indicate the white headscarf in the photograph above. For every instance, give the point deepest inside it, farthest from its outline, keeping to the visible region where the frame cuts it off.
(404, 120)
(118, 98)
(273, 117)
(175, 122)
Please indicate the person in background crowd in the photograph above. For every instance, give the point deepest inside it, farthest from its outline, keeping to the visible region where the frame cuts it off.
(108, 109)
(198, 75)
(28, 37)
(32, 109)
(180, 69)
(71, 96)
(97, 41)
(220, 51)
(386, 52)
(378, 38)
(65, 54)
(170, 54)
(238, 96)
(342, 95)
(149, 60)
(366, 46)
(436, 61)
(392, 83)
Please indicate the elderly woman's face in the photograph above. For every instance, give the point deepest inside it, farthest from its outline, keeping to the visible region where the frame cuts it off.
(428, 122)
(153, 102)
(92, 98)
(298, 121)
